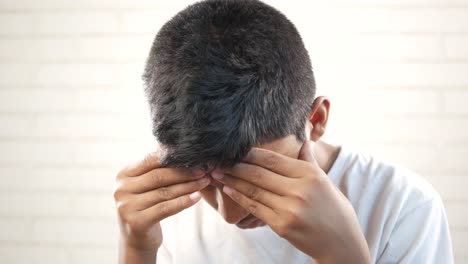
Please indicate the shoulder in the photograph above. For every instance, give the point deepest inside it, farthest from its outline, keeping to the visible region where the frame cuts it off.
(399, 211)
(381, 182)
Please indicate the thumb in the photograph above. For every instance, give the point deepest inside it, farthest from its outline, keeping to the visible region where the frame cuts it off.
(307, 152)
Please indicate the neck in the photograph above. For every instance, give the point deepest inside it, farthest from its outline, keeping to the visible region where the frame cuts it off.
(325, 154)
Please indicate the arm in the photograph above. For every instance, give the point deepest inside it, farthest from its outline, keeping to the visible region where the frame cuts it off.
(127, 254)
(146, 193)
(298, 201)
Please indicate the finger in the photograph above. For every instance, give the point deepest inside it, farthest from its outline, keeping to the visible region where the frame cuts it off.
(149, 162)
(307, 152)
(252, 191)
(148, 199)
(256, 175)
(161, 177)
(276, 162)
(264, 213)
(160, 211)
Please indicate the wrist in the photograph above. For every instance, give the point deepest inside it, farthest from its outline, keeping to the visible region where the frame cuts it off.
(140, 244)
(131, 254)
(356, 255)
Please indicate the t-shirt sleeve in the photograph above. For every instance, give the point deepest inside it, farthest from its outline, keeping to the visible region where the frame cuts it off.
(421, 235)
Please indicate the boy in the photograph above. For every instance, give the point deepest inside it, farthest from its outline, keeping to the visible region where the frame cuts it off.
(232, 97)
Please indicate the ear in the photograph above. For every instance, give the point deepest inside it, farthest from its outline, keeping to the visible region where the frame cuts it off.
(318, 117)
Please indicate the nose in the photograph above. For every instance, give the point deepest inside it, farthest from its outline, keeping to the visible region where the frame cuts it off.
(231, 211)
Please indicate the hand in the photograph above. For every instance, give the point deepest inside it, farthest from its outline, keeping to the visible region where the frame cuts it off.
(145, 194)
(298, 201)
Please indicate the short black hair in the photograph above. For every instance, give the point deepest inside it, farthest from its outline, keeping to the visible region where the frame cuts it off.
(223, 76)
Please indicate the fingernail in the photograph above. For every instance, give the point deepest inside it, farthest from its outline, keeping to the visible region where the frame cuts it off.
(203, 180)
(198, 172)
(195, 196)
(227, 190)
(217, 175)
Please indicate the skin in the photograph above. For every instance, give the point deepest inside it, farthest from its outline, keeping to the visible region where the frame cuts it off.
(282, 184)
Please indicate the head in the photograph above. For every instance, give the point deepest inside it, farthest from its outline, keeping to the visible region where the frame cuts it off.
(224, 76)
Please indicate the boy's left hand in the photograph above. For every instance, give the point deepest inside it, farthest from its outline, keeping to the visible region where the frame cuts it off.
(298, 201)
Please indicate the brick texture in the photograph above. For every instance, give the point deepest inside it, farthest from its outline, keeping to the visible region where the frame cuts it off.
(72, 109)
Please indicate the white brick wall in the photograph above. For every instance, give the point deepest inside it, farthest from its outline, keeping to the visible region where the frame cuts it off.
(72, 109)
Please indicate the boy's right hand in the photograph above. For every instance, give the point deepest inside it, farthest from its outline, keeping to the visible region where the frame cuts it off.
(145, 193)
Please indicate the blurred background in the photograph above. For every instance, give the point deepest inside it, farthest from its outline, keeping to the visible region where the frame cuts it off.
(73, 113)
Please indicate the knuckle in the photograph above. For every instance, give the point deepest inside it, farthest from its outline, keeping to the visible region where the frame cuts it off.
(316, 178)
(119, 191)
(256, 176)
(164, 193)
(294, 216)
(320, 184)
(117, 194)
(123, 172)
(123, 209)
(253, 192)
(271, 161)
(164, 210)
(312, 181)
(236, 197)
(183, 202)
(252, 208)
(157, 178)
(119, 175)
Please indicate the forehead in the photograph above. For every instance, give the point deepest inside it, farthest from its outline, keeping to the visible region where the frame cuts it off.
(288, 146)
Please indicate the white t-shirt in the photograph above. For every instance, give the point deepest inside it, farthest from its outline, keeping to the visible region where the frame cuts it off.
(401, 216)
